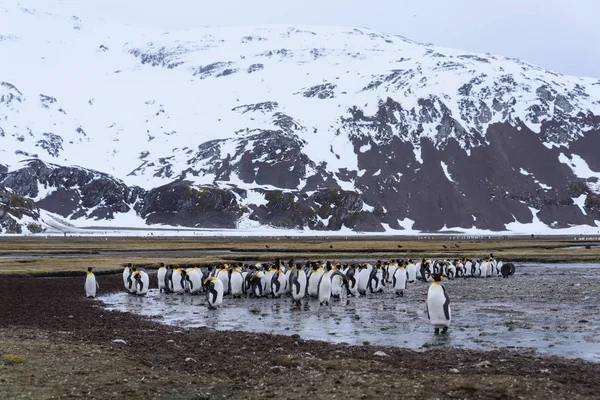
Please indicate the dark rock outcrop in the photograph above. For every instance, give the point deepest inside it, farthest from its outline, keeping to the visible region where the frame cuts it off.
(180, 203)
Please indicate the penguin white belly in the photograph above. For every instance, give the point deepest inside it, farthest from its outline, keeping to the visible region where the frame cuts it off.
(131, 284)
(391, 271)
(490, 269)
(438, 306)
(125, 276)
(313, 282)
(468, 268)
(412, 272)
(223, 276)
(90, 285)
(236, 284)
(286, 278)
(451, 271)
(399, 280)
(499, 268)
(214, 294)
(278, 284)
(267, 279)
(162, 271)
(324, 292)
(195, 281)
(483, 270)
(257, 284)
(377, 282)
(143, 285)
(298, 287)
(178, 285)
(364, 276)
(337, 283)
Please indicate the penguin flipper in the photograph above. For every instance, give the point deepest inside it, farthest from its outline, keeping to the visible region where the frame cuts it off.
(446, 305)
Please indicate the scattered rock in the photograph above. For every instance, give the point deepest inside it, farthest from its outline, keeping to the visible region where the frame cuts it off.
(380, 354)
(483, 364)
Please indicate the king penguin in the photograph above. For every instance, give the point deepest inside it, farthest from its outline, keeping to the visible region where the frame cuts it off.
(162, 271)
(399, 280)
(214, 292)
(298, 283)
(438, 305)
(142, 282)
(91, 284)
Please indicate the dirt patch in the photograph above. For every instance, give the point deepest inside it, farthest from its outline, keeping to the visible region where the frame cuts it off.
(74, 348)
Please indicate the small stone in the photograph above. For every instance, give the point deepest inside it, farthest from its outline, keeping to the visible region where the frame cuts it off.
(189, 359)
(380, 354)
(483, 364)
(119, 341)
(454, 371)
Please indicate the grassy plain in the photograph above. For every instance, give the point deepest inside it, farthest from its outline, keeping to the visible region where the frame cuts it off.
(68, 256)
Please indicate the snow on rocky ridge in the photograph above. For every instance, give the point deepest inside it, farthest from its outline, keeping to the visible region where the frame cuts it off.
(287, 126)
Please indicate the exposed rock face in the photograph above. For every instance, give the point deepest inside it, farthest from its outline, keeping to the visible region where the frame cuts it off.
(182, 204)
(13, 209)
(70, 191)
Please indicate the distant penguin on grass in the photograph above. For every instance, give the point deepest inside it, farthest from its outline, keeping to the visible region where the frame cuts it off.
(438, 305)
(91, 285)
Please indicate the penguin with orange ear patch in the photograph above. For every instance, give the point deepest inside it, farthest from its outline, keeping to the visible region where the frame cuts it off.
(438, 305)
(91, 284)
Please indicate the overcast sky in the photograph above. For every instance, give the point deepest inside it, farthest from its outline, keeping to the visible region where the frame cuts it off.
(562, 35)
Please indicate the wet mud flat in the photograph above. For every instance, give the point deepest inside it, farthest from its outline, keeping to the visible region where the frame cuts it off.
(74, 348)
(552, 310)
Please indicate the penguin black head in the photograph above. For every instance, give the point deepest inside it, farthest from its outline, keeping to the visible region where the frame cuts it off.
(90, 269)
(437, 277)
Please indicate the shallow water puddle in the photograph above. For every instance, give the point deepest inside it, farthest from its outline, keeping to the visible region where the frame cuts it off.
(555, 328)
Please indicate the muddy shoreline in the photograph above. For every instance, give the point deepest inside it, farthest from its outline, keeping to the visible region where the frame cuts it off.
(109, 354)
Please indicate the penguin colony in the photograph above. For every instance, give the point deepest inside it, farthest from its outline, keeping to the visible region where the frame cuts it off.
(323, 281)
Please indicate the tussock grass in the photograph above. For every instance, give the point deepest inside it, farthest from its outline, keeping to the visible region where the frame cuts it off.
(13, 359)
(259, 249)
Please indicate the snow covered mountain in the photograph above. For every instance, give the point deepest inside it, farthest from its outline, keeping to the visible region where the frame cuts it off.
(294, 127)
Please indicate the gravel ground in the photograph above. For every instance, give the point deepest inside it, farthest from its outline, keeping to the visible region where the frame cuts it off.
(70, 351)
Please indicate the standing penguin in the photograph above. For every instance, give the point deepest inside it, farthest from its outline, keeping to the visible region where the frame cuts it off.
(352, 283)
(91, 284)
(131, 281)
(178, 279)
(236, 283)
(214, 292)
(162, 271)
(142, 283)
(194, 280)
(314, 279)
(298, 283)
(324, 288)
(438, 305)
(126, 274)
(411, 269)
(169, 279)
(399, 280)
